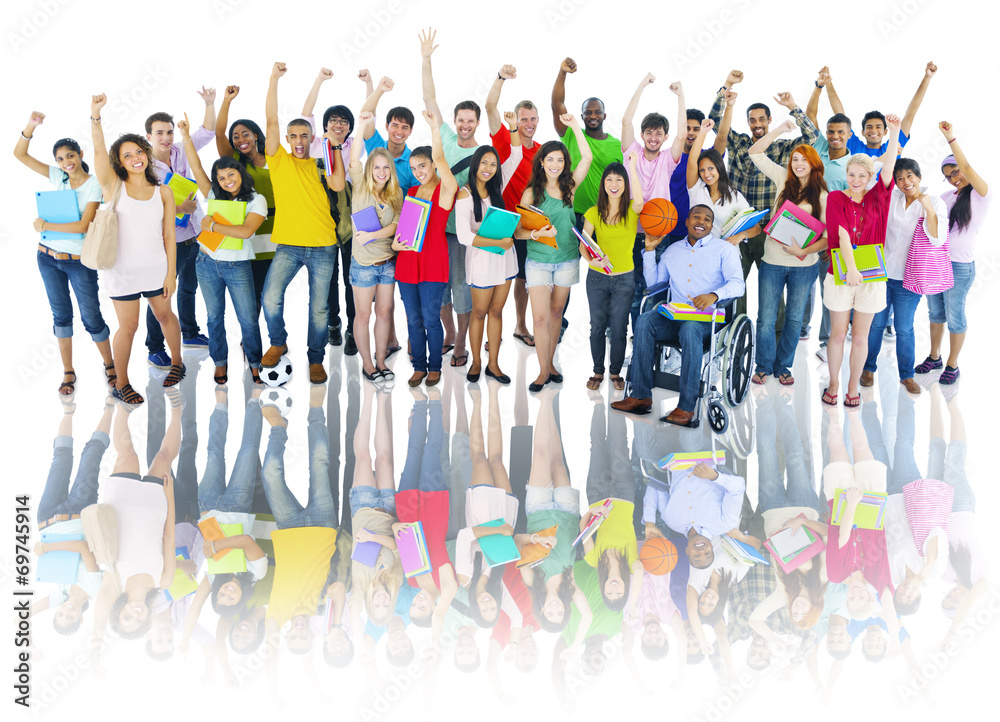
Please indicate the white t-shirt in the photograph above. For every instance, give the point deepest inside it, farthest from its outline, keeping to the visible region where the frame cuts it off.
(724, 210)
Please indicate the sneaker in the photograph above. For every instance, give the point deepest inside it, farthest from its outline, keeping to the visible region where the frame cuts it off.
(199, 341)
(821, 352)
(948, 376)
(160, 360)
(889, 333)
(929, 364)
(350, 348)
(804, 333)
(336, 338)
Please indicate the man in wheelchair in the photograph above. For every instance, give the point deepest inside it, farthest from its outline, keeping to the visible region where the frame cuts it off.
(703, 271)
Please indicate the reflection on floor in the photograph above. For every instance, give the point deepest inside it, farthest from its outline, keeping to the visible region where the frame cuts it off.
(325, 547)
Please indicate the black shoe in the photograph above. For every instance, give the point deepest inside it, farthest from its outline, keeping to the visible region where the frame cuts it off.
(502, 378)
(556, 378)
(535, 388)
(350, 348)
(336, 338)
(473, 378)
(374, 377)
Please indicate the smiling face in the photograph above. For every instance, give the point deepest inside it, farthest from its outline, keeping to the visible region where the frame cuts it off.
(397, 131)
(614, 185)
(161, 136)
(954, 597)
(553, 609)
(230, 181)
(487, 606)
(653, 139)
(338, 127)
(527, 651)
(699, 224)
(231, 592)
(466, 124)
(422, 605)
(838, 639)
(956, 177)
(67, 615)
(133, 158)
(691, 133)
(398, 642)
(653, 635)
(907, 593)
(300, 635)
(381, 604)
(908, 182)
(68, 159)
(858, 597)
(527, 122)
(874, 132)
(708, 172)
(466, 651)
(381, 171)
(759, 653)
(487, 167)
(759, 122)
(800, 167)
(800, 607)
(161, 638)
(133, 615)
(299, 138)
(837, 135)
(707, 602)
(614, 587)
(553, 164)
(858, 178)
(422, 169)
(244, 140)
(874, 642)
(243, 635)
(593, 115)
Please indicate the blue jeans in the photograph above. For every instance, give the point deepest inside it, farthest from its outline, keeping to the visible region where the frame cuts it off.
(775, 417)
(640, 279)
(904, 303)
(57, 276)
(215, 277)
(422, 469)
(824, 325)
(238, 496)
(341, 263)
(288, 512)
(610, 298)
(773, 280)
(688, 336)
(57, 497)
(187, 285)
(422, 302)
(319, 263)
(950, 305)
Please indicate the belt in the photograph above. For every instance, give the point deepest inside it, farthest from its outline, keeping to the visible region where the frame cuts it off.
(57, 518)
(56, 254)
(382, 263)
(188, 242)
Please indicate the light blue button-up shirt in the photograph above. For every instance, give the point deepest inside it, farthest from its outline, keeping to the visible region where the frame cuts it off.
(709, 266)
(709, 507)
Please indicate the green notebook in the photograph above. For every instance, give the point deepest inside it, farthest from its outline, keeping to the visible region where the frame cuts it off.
(869, 514)
(498, 549)
(235, 561)
(182, 585)
(497, 224)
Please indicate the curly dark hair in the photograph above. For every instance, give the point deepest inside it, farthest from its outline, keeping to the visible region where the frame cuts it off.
(537, 182)
(114, 155)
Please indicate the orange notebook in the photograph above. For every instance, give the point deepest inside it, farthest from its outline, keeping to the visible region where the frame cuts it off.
(211, 531)
(533, 554)
(533, 219)
(210, 239)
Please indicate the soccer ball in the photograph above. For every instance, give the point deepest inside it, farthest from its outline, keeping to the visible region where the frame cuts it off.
(277, 375)
(279, 398)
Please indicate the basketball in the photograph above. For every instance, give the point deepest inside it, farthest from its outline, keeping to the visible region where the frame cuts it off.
(658, 556)
(658, 218)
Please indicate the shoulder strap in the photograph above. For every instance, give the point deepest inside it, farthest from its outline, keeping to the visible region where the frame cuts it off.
(461, 165)
(116, 193)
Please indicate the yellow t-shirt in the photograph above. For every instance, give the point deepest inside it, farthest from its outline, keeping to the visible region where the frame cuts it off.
(301, 563)
(616, 241)
(617, 531)
(302, 209)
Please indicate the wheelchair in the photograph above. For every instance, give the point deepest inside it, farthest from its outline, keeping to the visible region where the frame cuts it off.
(730, 351)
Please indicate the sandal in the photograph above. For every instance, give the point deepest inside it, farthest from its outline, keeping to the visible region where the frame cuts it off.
(221, 378)
(446, 348)
(526, 338)
(594, 382)
(174, 376)
(109, 371)
(618, 382)
(255, 375)
(759, 378)
(462, 360)
(852, 402)
(828, 398)
(70, 386)
(785, 379)
(127, 395)
(391, 350)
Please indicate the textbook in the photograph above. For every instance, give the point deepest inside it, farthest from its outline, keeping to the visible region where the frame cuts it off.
(413, 554)
(743, 552)
(366, 553)
(234, 213)
(683, 460)
(792, 222)
(224, 562)
(367, 220)
(413, 222)
(596, 257)
(328, 156)
(791, 549)
(743, 220)
(328, 615)
(497, 224)
(870, 513)
(869, 260)
(182, 188)
(498, 549)
(533, 554)
(183, 585)
(686, 312)
(594, 524)
(58, 567)
(213, 240)
(58, 207)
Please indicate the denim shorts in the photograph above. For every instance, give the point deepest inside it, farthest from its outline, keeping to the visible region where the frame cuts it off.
(949, 306)
(368, 276)
(137, 296)
(563, 274)
(368, 497)
(558, 498)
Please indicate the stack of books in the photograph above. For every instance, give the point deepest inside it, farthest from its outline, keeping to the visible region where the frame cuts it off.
(686, 312)
(791, 548)
(793, 226)
(869, 260)
(595, 256)
(413, 222)
(684, 460)
(741, 221)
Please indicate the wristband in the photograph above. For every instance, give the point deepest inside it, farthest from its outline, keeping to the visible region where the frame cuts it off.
(817, 85)
(533, 236)
(950, 141)
(499, 77)
(533, 538)
(94, 120)
(189, 140)
(26, 137)
(213, 547)
(211, 229)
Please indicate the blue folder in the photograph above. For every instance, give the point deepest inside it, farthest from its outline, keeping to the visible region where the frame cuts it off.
(58, 567)
(58, 207)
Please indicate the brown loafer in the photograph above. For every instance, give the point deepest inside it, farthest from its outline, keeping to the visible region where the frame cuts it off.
(680, 417)
(273, 356)
(911, 386)
(633, 406)
(867, 379)
(317, 374)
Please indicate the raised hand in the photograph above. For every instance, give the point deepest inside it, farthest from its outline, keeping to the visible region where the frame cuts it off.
(731, 97)
(568, 65)
(324, 75)
(930, 70)
(184, 126)
(364, 75)
(231, 92)
(648, 80)
(823, 77)
(510, 118)
(36, 118)
(386, 84)
(96, 103)
(431, 118)
(633, 158)
(364, 118)
(569, 120)
(278, 70)
(785, 98)
(508, 72)
(653, 241)
(207, 94)
(707, 125)
(427, 46)
(893, 122)
(945, 128)
(788, 126)
(734, 77)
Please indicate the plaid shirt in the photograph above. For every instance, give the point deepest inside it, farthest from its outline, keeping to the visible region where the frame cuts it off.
(744, 176)
(747, 594)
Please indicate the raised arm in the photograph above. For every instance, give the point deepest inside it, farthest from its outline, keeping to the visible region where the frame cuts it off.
(427, 48)
(337, 180)
(558, 101)
(366, 77)
(628, 130)
(891, 151)
(699, 141)
(507, 72)
(310, 103)
(836, 105)
(809, 132)
(677, 149)
(272, 142)
(812, 107)
(734, 77)
(726, 124)
(449, 186)
(223, 143)
(635, 182)
(764, 143)
(204, 183)
(371, 103)
(977, 182)
(586, 154)
(918, 98)
(208, 122)
(21, 148)
(102, 163)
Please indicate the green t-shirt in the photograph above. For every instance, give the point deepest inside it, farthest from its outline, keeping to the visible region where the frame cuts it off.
(563, 553)
(605, 152)
(616, 241)
(453, 153)
(563, 218)
(604, 620)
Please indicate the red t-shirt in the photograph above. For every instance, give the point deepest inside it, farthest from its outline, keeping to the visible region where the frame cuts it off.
(431, 263)
(865, 551)
(430, 508)
(865, 221)
(521, 596)
(522, 174)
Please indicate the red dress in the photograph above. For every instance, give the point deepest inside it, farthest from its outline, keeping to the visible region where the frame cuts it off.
(431, 263)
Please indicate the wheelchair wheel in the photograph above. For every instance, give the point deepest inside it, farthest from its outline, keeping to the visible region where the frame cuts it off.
(717, 417)
(740, 435)
(737, 362)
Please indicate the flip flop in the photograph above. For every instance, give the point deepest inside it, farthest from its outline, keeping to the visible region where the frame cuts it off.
(595, 381)
(526, 338)
(852, 402)
(828, 398)
(446, 348)
(391, 350)
(785, 379)
(462, 360)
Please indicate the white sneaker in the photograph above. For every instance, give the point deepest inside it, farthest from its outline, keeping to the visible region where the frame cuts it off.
(821, 352)
(673, 365)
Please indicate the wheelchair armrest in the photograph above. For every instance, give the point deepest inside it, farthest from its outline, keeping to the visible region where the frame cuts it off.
(654, 296)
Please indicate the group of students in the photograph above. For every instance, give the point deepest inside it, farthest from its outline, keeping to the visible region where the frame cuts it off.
(307, 589)
(300, 210)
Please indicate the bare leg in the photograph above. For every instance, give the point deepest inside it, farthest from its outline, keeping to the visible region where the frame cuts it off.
(66, 354)
(560, 296)
(839, 320)
(462, 333)
(955, 343)
(520, 307)
(541, 309)
(363, 298)
(937, 336)
(481, 472)
(448, 321)
(861, 324)
(481, 300)
(128, 324)
(494, 440)
(127, 461)
(363, 473)
(383, 322)
(384, 475)
(170, 325)
(494, 329)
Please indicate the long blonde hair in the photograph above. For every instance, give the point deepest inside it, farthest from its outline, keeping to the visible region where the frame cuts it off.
(390, 194)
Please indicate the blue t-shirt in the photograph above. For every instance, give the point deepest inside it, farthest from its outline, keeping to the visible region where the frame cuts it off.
(857, 145)
(679, 196)
(403, 172)
(857, 627)
(89, 192)
(403, 602)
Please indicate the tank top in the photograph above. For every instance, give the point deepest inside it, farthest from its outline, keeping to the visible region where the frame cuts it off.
(563, 219)
(142, 260)
(142, 513)
(431, 263)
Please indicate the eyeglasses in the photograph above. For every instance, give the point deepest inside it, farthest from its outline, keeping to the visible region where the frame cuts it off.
(953, 175)
(338, 121)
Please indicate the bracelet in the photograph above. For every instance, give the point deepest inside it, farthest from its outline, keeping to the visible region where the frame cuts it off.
(211, 229)
(817, 85)
(533, 236)
(94, 120)
(950, 141)
(513, 130)
(533, 537)
(213, 546)
(189, 140)
(26, 137)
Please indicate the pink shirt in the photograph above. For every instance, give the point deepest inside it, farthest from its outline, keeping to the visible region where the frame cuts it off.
(316, 149)
(654, 174)
(654, 598)
(963, 242)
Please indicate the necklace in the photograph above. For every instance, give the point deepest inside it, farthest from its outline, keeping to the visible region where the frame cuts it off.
(858, 211)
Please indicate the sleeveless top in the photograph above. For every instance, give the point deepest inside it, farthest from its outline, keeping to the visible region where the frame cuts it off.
(142, 513)
(431, 263)
(563, 219)
(142, 260)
